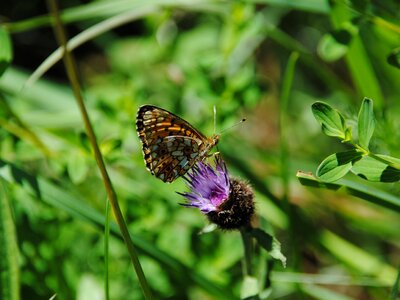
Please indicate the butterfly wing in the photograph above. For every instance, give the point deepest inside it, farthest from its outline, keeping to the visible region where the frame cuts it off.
(171, 146)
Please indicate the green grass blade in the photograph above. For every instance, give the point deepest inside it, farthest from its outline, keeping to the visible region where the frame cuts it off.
(9, 267)
(285, 138)
(283, 111)
(315, 6)
(6, 53)
(362, 191)
(317, 292)
(358, 258)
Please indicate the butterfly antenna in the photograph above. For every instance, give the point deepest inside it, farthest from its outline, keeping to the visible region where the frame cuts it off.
(229, 128)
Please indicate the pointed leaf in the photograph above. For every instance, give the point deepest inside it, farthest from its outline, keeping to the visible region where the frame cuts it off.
(372, 169)
(337, 165)
(269, 243)
(334, 46)
(331, 120)
(366, 123)
(277, 253)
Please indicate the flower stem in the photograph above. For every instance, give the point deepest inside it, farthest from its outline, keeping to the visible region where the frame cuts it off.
(248, 247)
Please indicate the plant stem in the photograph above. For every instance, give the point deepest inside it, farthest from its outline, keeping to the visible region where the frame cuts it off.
(107, 252)
(72, 72)
(284, 152)
(248, 248)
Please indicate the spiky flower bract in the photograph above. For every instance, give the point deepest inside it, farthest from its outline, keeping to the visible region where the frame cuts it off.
(227, 202)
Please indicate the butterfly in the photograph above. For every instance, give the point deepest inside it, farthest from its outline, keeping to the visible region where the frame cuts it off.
(171, 146)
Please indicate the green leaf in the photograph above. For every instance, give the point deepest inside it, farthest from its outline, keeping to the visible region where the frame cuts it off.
(269, 243)
(9, 269)
(372, 169)
(337, 165)
(331, 120)
(366, 123)
(249, 289)
(331, 47)
(263, 239)
(5, 50)
(390, 160)
(276, 252)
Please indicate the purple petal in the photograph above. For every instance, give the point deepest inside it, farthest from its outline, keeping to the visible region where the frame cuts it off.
(209, 187)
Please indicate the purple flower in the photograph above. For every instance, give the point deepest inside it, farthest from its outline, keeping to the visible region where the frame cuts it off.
(210, 187)
(227, 202)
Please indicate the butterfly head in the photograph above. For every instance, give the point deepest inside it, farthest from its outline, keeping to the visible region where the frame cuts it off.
(215, 139)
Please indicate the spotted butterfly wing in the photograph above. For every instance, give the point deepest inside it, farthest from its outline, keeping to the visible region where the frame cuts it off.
(171, 146)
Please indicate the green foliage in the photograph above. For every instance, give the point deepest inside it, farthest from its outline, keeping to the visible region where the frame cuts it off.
(366, 123)
(9, 274)
(359, 160)
(332, 122)
(266, 60)
(337, 165)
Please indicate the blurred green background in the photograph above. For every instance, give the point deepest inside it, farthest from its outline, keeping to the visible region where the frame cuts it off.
(187, 56)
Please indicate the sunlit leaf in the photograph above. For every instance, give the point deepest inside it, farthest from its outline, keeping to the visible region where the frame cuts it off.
(366, 123)
(331, 120)
(269, 243)
(277, 253)
(375, 170)
(336, 165)
(333, 46)
(249, 288)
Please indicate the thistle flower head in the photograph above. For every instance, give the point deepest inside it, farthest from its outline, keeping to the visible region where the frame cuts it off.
(209, 187)
(227, 202)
